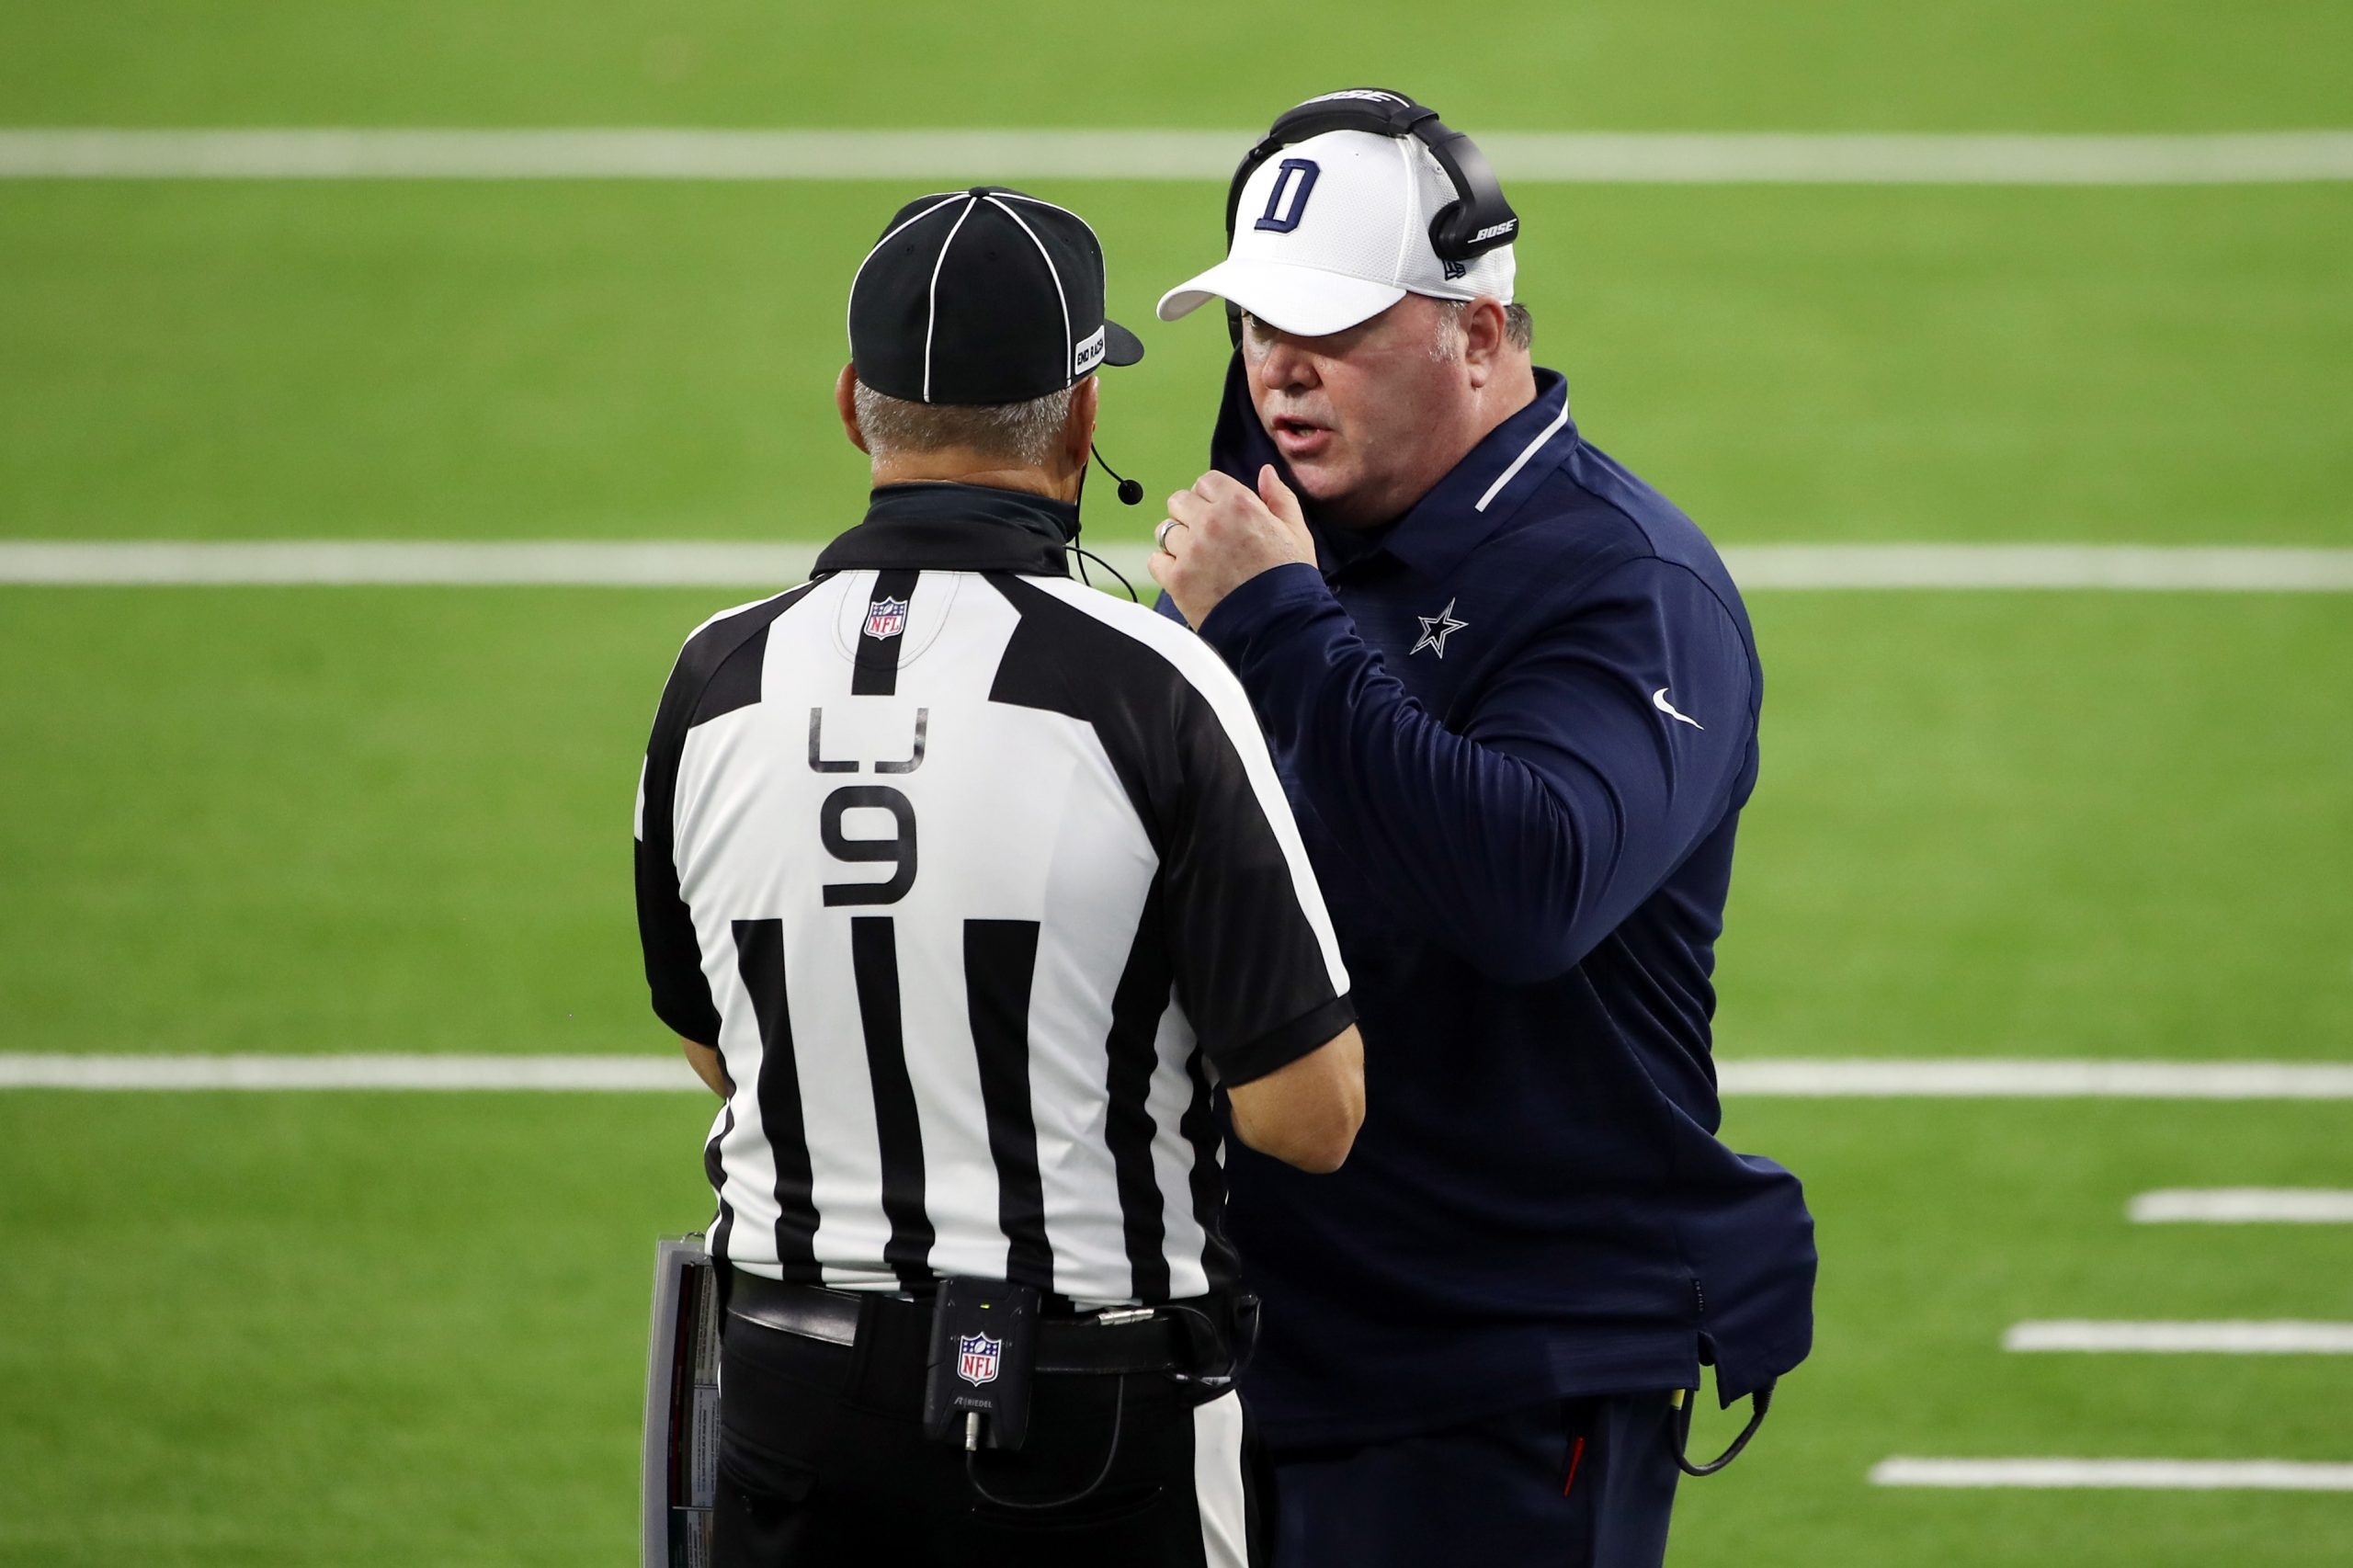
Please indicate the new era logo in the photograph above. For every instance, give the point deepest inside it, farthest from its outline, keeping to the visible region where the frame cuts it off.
(886, 617)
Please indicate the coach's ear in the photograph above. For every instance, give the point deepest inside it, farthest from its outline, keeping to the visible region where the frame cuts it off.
(845, 404)
(1486, 339)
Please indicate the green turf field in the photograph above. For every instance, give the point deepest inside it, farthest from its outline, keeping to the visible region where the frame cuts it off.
(408, 1329)
(598, 359)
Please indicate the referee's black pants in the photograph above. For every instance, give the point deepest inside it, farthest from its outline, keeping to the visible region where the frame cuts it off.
(822, 1461)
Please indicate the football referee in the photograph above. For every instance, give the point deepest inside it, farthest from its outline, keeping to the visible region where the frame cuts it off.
(974, 893)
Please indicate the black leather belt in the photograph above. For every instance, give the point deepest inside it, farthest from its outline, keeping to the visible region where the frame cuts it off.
(1085, 1342)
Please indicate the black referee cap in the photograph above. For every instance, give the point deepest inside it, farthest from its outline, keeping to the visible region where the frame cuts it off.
(982, 296)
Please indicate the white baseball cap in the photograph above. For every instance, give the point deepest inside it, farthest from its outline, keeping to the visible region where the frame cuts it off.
(1333, 231)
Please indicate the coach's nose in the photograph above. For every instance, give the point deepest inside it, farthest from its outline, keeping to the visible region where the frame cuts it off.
(1282, 363)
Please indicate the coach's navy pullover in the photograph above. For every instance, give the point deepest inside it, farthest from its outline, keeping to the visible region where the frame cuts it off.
(1517, 733)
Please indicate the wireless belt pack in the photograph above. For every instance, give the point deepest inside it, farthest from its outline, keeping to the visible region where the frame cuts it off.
(983, 1348)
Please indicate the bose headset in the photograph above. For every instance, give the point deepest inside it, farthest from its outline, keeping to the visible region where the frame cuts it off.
(1477, 220)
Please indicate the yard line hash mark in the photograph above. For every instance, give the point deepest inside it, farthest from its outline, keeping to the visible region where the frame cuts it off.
(2028, 1078)
(2262, 1337)
(2155, 1475)
(2242, 1206)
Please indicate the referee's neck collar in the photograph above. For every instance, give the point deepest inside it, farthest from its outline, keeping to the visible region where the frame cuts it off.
(946, 526)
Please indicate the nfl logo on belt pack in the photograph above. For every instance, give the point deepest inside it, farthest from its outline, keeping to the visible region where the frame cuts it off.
(976, 1358)
(886, 617)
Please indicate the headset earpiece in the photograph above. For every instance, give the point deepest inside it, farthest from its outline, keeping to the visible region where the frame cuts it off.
(1464, 227)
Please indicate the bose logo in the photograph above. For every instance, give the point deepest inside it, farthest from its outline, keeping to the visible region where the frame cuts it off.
(1367, 93)
(1491, 229)
(1090, 354)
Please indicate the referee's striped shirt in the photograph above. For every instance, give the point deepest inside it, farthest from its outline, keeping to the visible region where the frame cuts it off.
(979, 880)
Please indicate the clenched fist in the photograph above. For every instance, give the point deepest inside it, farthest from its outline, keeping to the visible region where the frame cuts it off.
(1220, 534)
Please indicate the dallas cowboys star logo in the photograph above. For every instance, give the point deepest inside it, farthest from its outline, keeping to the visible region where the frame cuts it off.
(1436, 630)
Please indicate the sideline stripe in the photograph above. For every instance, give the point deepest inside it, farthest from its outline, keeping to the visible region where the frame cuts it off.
(2276, 1338)
(1994, 1078)
(1081, 153)
(647, 563)
(1860, 1077)
(2242, 1206)
(2153, 1476)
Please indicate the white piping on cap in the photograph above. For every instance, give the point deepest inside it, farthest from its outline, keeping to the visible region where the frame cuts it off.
(1040, 201)
(885, 240)
(1068, 349)
(931, 312)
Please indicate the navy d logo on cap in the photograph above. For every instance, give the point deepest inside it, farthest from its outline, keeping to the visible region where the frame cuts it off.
(982, 296)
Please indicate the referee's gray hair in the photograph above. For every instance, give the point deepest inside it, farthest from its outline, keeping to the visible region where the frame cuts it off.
(1519, 329)
(1022, 433)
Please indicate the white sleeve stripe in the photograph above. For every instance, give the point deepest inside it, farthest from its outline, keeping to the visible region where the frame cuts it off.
(733, 610)
(1205, 672)
(1250, 743)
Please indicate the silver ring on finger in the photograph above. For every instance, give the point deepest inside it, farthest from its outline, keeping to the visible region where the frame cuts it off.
(1160, 534)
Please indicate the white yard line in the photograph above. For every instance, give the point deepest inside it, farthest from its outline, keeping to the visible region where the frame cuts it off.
(1082, 153)
(1996, 1078)
(2272, 1337)
(655, 563)
(1775, 158)
(608, 1073)
(409, 564)
(2242, 1206)
(2153, 1476)
(1880, 1078)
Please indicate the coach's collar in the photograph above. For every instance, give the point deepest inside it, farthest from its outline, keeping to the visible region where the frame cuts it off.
(957, 528)
(1459, 511)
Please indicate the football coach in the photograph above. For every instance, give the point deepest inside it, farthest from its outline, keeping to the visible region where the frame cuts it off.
(1513, 694)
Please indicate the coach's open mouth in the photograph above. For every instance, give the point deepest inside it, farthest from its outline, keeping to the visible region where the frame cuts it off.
(1300, 437)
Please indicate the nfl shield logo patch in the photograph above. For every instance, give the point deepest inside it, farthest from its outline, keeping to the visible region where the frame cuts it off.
(976, 1358)
(886, 617)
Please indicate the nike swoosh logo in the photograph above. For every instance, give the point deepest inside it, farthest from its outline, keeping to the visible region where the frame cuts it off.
(1659, 701)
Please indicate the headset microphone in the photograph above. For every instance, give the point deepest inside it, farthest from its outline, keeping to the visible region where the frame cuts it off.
(1131, 491)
